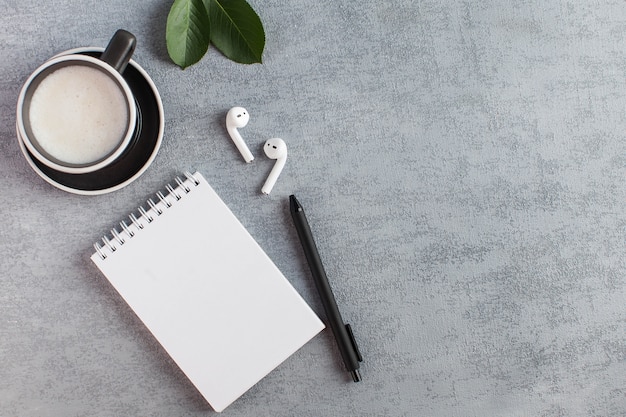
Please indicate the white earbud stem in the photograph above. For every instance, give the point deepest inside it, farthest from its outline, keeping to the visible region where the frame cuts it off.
(238, 117)
(274, 148)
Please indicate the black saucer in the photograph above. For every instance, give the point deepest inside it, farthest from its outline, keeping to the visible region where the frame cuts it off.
(134, 161)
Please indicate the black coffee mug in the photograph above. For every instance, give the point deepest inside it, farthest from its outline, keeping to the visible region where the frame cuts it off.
(76, 113)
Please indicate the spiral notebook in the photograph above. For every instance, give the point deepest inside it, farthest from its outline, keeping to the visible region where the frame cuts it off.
(205, 289)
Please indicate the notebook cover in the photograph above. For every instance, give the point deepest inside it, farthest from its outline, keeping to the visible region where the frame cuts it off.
(207, 291)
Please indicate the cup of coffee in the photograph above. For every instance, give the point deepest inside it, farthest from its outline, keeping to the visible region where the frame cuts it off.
(76, 113)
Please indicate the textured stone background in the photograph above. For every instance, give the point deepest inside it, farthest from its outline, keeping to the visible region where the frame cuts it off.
(462, 165)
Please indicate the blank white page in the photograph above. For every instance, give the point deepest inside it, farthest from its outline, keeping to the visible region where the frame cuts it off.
(207, 291)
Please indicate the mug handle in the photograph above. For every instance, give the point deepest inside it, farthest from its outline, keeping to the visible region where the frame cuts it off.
(119, 50)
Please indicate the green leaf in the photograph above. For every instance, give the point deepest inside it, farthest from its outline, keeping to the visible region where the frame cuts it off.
(187, 32)
(236, 30)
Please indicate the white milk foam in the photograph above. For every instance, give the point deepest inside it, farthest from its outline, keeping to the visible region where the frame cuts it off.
(78, 114)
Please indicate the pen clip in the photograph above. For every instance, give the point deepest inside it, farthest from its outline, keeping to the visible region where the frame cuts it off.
(354, 345)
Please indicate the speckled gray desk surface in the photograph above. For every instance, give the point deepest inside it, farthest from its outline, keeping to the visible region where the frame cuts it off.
(462, 165)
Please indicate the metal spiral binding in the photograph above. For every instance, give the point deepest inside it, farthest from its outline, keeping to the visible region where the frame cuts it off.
(117, 236)
(172, 192)
(125, 228)
(154, 207)
(99, 250)
(182, 184)
(163, 199)
(145, 214)
(137, 222)
(190, 177)
(108, 243)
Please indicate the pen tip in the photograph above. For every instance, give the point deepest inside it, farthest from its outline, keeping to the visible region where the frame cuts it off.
(294, 204)
(356, 375)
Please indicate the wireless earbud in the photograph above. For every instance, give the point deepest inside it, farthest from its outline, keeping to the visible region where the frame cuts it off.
(238, 117)
(274, 148)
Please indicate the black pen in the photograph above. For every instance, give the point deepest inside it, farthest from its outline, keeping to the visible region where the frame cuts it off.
(343, 333)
